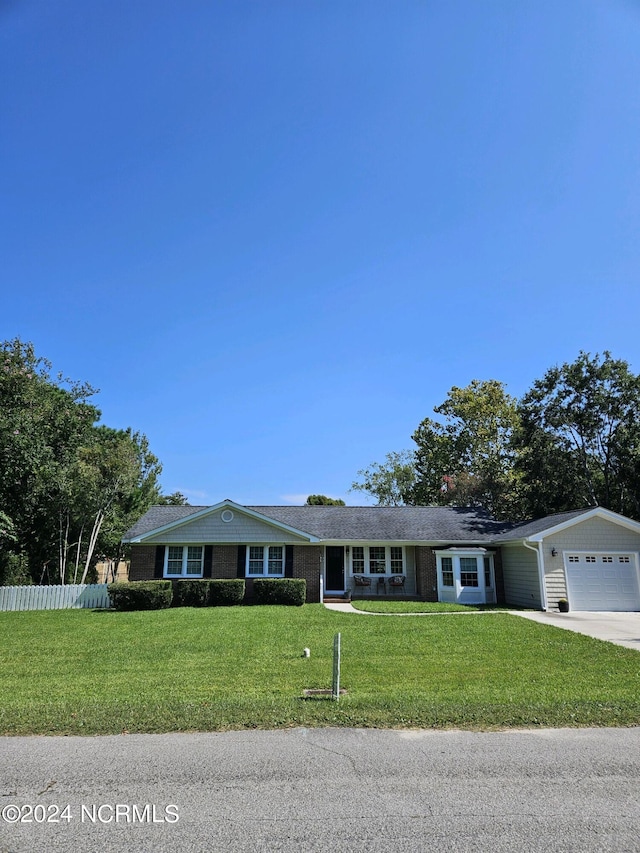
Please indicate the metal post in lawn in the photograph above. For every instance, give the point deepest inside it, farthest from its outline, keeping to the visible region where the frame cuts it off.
(335, 687)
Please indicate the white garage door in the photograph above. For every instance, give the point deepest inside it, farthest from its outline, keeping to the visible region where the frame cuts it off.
(601, 581)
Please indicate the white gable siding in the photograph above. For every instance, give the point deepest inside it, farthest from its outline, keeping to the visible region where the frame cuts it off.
(210, 528)
(520, 572)
(594, 534)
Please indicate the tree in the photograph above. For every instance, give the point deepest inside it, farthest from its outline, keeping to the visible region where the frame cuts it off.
(174, 499)
(391, 482)
(323, 500)
(68, 486)
(579, 437)
(469, 460)
(43, 422)
(113, 481)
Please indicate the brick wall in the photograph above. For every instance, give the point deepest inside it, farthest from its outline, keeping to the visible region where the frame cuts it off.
(426, 576)
(307, 564)
(143, 561)
(225, 561)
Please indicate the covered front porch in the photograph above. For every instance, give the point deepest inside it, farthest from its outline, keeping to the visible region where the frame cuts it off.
(370, 571)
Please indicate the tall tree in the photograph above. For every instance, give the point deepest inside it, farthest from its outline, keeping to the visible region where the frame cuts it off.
(390, 482)
(67, 486)
(114, 479)
(579, 437)
(323, 500)
(174, 499)
(43, 422)
(468, 460)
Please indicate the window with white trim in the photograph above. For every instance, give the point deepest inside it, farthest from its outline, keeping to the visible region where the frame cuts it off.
(265, 561)
(488, 575)
(357, 560)
(397, 563)
(465, 570)
(183, 561)
(469, 571)
(446, 564)
(377, 560)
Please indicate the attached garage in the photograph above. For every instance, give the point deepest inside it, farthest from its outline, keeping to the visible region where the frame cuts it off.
(590, 557)
(602, 581)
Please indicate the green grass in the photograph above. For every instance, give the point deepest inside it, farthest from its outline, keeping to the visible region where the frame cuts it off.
(83, 672)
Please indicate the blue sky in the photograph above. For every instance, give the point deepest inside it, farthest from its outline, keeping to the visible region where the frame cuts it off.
(274, 234)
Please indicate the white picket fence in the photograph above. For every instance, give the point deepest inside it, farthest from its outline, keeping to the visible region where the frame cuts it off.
(59, 597)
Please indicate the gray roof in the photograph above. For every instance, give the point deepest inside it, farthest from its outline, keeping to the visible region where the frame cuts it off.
(158, 516)
(529, 528)
(357, 523)
(398, 523)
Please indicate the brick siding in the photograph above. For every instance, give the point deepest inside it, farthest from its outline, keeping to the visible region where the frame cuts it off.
(143, 562)
(307, 564)
(426, 573)
(225, 561)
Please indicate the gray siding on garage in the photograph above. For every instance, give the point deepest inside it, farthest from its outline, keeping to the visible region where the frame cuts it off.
(521, 580)
(594, 534)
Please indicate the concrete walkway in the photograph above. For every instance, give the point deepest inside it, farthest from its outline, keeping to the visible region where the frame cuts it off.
(623, 629)
(345, 607)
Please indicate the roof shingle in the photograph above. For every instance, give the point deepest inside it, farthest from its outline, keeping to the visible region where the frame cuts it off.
(364, 523)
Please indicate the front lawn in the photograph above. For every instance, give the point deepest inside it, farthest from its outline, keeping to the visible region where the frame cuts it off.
(83, 672)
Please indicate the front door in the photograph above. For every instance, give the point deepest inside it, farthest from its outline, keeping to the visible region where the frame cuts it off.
(334, 568)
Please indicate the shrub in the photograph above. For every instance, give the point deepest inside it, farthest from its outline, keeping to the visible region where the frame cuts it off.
(280, 591)
(191, 593)
(225, 593)
(140, 595)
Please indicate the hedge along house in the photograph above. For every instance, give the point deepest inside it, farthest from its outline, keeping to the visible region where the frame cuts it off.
(455, 554)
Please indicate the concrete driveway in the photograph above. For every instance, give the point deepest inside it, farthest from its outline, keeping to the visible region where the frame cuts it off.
(623, 629)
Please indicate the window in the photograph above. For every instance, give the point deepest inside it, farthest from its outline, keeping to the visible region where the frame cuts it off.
(397, 565)
(466, 575)
(468, 571)
(447, 571)
(487, 573)
(265, 560)
(377, 559)
(357, 560)
(183, 561)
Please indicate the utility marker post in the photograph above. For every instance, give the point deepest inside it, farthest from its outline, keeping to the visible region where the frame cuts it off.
(335, 686)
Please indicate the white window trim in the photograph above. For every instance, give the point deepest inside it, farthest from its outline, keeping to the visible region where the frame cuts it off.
(367, 561)
(455, 554)
(265, 560)
(185, 556)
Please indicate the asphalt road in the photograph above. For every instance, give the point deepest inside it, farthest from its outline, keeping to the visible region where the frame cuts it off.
(323, 789)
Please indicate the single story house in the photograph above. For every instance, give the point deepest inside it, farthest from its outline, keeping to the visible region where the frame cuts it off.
(458, 554)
